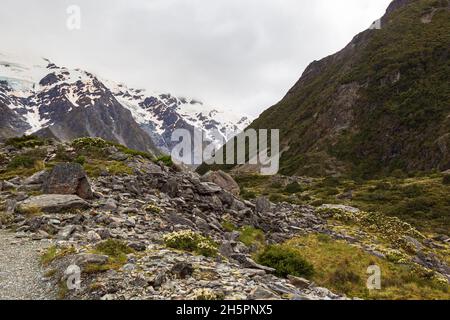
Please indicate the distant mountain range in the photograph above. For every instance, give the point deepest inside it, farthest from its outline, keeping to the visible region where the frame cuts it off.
(38, 97)
(379, 105)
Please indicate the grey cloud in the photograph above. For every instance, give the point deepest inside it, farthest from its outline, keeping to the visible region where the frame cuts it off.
(240, 54)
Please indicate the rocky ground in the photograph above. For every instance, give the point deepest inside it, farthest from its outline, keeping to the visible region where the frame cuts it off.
(74, 213)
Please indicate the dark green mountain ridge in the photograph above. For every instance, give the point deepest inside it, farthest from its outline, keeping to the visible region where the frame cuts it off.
(381, 104)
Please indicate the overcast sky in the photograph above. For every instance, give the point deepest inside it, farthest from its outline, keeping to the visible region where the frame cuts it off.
(239, 54)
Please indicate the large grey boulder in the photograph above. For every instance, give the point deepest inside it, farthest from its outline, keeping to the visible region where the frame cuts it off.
(68, 178)
(53, 203)
(223, 180)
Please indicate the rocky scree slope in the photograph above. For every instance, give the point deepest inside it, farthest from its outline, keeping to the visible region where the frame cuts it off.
(127, 233)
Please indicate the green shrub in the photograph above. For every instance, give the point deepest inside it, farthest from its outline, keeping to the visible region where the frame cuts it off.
(25, 142)
(294, 187)
(21, 161)
(189, 240)
(286, 261)
(446, 179)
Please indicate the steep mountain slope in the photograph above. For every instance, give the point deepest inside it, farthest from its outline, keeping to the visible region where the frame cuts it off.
(42, 98)
(379, 105)
(39, 97)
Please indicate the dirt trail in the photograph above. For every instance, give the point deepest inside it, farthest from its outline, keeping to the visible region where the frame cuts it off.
(20, 270)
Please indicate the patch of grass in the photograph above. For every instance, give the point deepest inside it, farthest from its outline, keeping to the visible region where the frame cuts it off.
(421, 200)
(191, 241)
(117, 252)
(62, 290)
(94, 168)
(6, 219)
(343, 268)
(52, 253)
(30, 211)
(228, 226)
(115, 249)
(252, 236)
(166, 159)
(286, 261)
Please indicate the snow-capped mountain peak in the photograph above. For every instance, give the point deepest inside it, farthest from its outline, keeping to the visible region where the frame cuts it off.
(38, 95)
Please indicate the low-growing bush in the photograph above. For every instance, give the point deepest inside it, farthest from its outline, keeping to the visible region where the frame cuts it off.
(25, 142)
(286, 261)
(294, 187)
(446, 179)
(21, 161)
(152, 208)
(189, 240)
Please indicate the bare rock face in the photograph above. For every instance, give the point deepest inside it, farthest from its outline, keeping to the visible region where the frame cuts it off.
(223, 180)
(53, 203)
(68, 178)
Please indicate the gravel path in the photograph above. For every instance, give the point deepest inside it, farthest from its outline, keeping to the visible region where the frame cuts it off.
(20, 271)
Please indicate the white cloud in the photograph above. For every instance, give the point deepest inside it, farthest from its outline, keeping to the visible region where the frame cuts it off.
(242, 54)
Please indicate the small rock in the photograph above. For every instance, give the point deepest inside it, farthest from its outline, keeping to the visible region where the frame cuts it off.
(260, 293)
(64, 233)
(299, 282)
(182, 270)
(262, 205)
